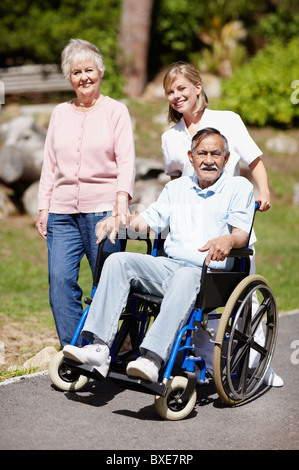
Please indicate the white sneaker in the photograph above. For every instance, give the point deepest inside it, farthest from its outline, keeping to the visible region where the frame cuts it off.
(144, 369)
(272, 379)
(96, 355)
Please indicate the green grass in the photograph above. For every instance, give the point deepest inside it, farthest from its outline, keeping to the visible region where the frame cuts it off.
(277, 253)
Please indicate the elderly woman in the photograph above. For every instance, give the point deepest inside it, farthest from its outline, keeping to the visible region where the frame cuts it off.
(87, 175)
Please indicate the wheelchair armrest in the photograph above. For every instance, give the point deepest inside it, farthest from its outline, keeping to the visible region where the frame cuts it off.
(240, 252)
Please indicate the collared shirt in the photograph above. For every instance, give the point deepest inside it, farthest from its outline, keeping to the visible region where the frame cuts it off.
(197, 215)
(88, 157)
(176, 142)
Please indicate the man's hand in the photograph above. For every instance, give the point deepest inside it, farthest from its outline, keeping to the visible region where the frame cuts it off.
(111, 225)
(106, 227)
(218, 248)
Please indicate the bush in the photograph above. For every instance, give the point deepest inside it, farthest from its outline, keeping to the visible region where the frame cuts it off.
(260, 91)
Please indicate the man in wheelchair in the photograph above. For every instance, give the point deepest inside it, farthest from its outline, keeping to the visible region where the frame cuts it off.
(208, 215)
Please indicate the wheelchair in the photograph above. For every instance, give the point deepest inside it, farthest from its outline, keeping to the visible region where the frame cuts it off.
(175, 393)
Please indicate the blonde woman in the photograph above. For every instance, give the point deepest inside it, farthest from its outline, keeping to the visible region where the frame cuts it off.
(189, 112)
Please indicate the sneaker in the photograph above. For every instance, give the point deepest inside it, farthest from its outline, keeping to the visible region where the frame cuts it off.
(272, 379)
(96, 355)
(144, 369)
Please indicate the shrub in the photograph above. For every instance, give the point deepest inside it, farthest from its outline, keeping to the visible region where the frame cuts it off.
(260, 91)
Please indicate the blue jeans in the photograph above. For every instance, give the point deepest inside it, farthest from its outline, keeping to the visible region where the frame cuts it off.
(69, 237)
(177, 281)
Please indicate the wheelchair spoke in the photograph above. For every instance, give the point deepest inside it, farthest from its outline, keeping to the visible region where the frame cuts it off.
(262, 310)
(238, 380)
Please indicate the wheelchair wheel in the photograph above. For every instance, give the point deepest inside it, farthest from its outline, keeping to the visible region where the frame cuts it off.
(170, 407)
(64, 378)
(234, 380)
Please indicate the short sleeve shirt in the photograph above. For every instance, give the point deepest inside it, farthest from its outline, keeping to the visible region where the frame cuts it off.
(176, 142)
(196, 216)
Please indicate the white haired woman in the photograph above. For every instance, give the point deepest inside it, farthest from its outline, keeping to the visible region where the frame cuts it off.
(88, 174)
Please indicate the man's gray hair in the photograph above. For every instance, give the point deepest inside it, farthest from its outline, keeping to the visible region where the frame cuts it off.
(200, 135)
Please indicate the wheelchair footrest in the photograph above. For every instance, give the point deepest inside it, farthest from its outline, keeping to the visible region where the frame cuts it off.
(152, 388)
(87, 370)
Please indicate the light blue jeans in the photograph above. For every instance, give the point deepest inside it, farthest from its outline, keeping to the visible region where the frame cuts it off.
(69, 237)
(177, 281)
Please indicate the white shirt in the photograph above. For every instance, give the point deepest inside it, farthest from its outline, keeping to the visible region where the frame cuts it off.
(196, 216)
(176, 142)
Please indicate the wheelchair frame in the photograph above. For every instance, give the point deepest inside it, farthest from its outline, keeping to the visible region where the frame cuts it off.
(175, 395)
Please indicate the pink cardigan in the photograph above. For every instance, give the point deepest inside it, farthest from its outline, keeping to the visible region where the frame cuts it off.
(88, 157)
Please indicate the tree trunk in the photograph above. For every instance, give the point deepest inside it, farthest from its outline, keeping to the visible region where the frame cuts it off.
(134, 44)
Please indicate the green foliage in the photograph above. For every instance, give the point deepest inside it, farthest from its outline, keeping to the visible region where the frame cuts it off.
(260, 91)
(281, 24)
(177, 25)
(38, 30)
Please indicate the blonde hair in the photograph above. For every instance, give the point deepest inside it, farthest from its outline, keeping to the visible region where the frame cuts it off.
(192, 74)
(76, 50)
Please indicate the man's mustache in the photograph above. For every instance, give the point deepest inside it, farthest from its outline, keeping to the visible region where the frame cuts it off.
(204, 167)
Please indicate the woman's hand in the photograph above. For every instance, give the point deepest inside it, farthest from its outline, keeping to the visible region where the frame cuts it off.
(121, 208)
(263, 202)
(41, 224)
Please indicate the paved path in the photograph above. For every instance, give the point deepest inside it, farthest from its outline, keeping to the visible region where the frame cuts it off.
(35, 416)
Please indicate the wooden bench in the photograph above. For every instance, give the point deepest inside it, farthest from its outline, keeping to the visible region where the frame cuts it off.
(33, 79)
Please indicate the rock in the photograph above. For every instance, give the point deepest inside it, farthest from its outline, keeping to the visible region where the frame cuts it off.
(145, 193)
(6, 205)
(41, 359)
(147, 168)
(30, 199)
(282, 144)
(21, 156)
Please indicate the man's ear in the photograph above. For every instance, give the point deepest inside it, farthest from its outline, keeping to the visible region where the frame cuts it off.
(190, 156)
(226, 157)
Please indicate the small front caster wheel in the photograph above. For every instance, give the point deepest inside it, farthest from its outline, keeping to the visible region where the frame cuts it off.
(63, 377)
(170, 407)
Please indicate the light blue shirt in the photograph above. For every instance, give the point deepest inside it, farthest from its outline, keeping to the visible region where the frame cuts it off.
(197, 215)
